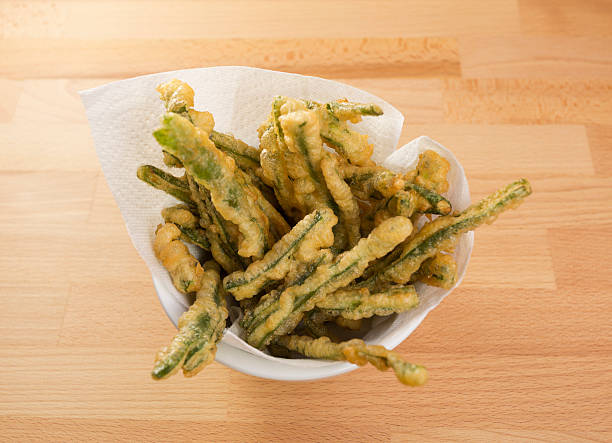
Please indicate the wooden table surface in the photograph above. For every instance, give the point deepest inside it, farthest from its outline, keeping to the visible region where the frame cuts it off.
(521, 351)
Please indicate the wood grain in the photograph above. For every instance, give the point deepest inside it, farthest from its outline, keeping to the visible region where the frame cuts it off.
(379, 57)
(521, 351)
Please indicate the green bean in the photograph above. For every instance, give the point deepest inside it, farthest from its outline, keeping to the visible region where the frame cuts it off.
(439, 270)
(429, 202)
(301, 243)
(212, 169)
(275, 171)
(357, 303)
(351, 145)
(443, 232)
(288, 306)
(431, 172)
(200, 328)
(166, 182)
(222, 247)
(357, 352)
(341, 193)
(184, 268)
(345, 110)
(188, 224)
(245, 156)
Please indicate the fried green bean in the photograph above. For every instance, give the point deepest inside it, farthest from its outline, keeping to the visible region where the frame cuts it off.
(183, 267)
(443, 232)
(286, 309)
(358, 352)
(166, 182)
(245, 156)
(357, 303)
(301, 243)
(351, 145)
(188, 224)
(439, 270)
(431, 172)
(353, 112)
(275, 171)
(211, 168)
(429, 202)
(341, 193)
(372, 181)
(200, 329)
(298, 129)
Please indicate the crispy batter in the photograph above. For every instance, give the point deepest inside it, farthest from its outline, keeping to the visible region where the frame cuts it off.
(357, 352)
(357, 303)
(432, 170)
(439, 270)
(183, 267)
(284, 312)
(340, 191)
(300, 244)
(200, 329)
(350, 144)
(211, 168)
(188, 224)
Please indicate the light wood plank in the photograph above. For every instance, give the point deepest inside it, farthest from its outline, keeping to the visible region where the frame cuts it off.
(11, 90)
(507, 56)
(376, 57)
(235, 19)
(117, 307)
(523, 101)
(600, 142)
(563, 17)
(41, 198)
(46, 147)
(31, 315)
(62, 253)
(97, 383)
(499, 260)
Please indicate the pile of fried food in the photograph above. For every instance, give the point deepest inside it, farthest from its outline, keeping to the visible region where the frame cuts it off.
(302, 237)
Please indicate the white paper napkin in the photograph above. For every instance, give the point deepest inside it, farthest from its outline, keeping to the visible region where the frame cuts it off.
(123, 114)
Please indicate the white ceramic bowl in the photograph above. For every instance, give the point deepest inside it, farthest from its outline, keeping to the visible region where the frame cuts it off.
(389, 332)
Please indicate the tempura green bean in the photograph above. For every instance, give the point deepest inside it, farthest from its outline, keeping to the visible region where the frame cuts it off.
(357, 352)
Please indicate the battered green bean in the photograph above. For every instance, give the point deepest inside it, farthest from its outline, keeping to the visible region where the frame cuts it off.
(200, 328)
(188, 224)
(357, 303)
(357, 352)
(346, 110)
(431, 171)
(287, 307)
(351, 145)
(301, 243)
(222, 245)
(275, 171)
(341, 193)
(230, 194)
(439, 270)
(245, 156)
(184, 268)
(443, 232)
(166, 182)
